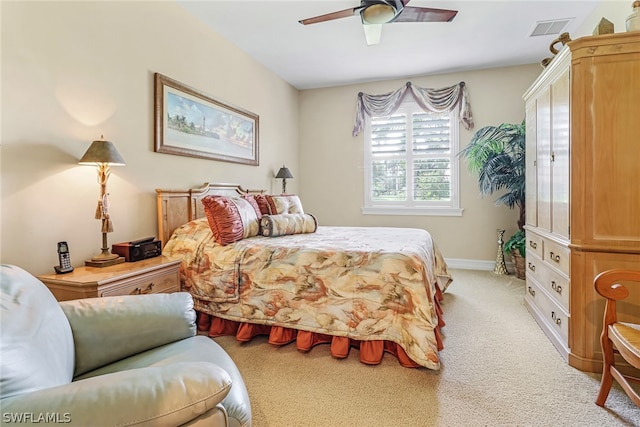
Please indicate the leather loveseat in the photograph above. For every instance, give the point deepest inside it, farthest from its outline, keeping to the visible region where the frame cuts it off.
(113, 361)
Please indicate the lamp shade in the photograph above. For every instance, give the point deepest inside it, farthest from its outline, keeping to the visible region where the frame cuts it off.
(284, 173)
(379, 13)
(102, 151)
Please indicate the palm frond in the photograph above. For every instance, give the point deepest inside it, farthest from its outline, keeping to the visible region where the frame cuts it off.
(496, 154)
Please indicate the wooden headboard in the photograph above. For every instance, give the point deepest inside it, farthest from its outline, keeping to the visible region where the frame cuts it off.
(177, 207)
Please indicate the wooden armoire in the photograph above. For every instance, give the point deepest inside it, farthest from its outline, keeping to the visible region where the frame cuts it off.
(582, 189)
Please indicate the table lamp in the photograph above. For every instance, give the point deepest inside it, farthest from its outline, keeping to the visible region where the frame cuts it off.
(103, 154)
(284, 174)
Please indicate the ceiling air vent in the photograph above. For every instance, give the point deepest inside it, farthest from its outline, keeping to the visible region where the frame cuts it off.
(546, 28)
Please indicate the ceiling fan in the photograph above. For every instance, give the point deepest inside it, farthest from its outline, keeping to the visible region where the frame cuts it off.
(375, 13)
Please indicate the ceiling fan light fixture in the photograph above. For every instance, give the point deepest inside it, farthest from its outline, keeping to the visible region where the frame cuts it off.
(379, 13)
(373, 33)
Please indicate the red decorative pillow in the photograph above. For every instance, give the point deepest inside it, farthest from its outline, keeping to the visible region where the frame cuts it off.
(230, 219)
(262, 202)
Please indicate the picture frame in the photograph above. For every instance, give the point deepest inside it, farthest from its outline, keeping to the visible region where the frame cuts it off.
(188, 122)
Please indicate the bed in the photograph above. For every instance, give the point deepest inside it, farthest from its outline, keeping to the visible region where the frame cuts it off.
(377, 289)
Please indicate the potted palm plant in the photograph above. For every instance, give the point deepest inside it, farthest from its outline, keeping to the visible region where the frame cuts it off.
(516, 247)
(496, 154)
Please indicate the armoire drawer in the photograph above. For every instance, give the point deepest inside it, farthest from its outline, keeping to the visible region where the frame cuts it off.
(535, 244)
(534, 266)
(556, 256)
(557, 286)
(551, 313)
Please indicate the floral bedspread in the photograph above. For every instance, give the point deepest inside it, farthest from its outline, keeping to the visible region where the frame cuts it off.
(365, 283)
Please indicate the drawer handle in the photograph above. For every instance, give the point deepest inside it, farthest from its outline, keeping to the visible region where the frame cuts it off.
(554, 257)
(532, 292)
(138, 291)
(532, 267)
(556, 318)
(556, 287)
(533, 244)
(149, 289)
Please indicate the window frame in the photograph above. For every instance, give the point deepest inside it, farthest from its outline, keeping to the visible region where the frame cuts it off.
(410, 207)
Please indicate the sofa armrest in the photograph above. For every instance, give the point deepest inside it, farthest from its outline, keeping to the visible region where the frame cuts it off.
(111, 328)
(161, 395)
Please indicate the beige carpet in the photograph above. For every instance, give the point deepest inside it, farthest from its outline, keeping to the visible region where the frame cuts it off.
(498, 369)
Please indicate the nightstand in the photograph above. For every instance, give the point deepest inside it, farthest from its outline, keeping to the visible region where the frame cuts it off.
(149, 276)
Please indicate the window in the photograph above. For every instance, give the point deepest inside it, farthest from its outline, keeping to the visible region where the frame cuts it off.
(410, 163)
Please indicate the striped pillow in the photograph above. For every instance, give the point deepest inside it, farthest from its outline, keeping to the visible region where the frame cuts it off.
(230, 219)
(285, 224)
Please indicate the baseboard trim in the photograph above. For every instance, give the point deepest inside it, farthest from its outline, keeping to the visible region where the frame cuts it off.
(474, 264)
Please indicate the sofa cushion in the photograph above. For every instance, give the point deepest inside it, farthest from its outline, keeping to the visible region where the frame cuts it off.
(141, 324)
(167, 395)
(199, 348)
(36, 343)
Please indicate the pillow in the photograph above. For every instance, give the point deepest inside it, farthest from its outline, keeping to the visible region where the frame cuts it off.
(230, 219)
(251, 198)
(261, 200)
(284, 204)
(285, 224)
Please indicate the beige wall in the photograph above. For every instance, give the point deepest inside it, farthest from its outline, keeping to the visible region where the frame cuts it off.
(72, 71)
(331, 160)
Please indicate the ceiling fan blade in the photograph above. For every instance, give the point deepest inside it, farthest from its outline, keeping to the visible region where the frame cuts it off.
(372, 32)
(425, 14)
(331, 16)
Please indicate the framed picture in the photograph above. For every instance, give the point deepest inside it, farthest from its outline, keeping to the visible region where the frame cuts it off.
(190, 123)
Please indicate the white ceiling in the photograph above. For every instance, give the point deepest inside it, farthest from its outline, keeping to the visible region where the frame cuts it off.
(484, 34)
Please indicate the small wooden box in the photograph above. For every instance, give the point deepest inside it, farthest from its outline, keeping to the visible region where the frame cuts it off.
(604, 27)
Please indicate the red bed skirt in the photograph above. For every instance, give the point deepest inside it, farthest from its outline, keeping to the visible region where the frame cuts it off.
(371, 352)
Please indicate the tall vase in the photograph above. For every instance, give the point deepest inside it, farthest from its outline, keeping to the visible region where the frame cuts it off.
(500, 267)
(633, 21)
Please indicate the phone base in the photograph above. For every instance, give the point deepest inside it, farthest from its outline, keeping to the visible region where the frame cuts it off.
(105, 263)
(60, 270)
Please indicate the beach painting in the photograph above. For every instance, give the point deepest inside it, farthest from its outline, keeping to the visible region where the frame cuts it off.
(191, 123)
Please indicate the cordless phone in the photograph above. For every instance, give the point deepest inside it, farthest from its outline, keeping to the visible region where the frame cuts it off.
(64, 258)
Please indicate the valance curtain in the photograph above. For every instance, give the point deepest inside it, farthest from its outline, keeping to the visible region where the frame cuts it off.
(435, 100)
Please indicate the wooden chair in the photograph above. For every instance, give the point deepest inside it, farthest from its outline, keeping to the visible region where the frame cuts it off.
(623, 338)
